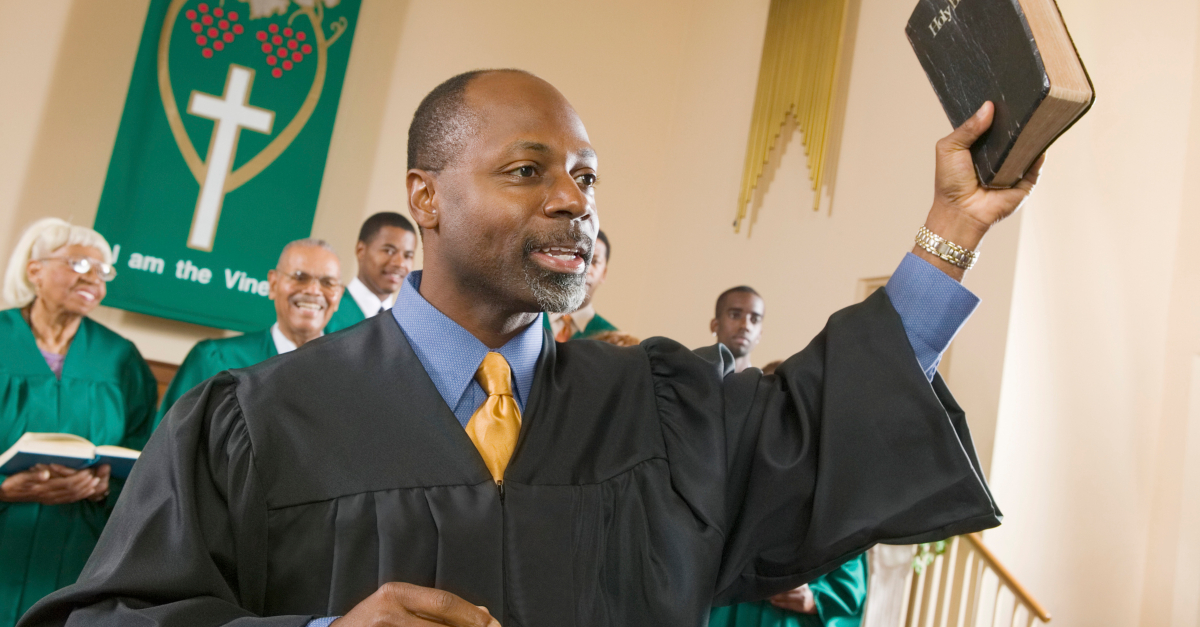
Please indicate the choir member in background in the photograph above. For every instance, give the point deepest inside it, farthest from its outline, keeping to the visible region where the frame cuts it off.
(835, 599)
(61, 372)
(585, 322)
(451, 464)
(306, 291)
(386, 251)
(738, 323)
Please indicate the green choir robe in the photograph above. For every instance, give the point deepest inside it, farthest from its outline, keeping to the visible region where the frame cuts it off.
(839, 596)
(594, 326)
(209, 357)
(106, 395)
(347, 315)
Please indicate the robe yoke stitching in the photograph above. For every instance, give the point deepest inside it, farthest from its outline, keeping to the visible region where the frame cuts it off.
(423, 488)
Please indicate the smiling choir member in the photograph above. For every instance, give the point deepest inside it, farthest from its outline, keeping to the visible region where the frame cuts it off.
(306, 290)
(386, 251)
(585, 322)
(60, 372)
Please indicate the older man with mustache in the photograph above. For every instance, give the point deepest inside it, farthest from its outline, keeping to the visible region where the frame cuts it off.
(306, 290)
(450, 464)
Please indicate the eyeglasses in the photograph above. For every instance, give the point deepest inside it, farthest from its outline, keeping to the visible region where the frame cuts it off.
(304, 279)
(84, 265)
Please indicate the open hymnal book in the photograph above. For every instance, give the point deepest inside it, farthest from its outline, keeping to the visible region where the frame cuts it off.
(1015, 53)
(67, 450)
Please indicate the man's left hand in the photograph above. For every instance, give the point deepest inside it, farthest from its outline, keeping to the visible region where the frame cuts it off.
(963, 210)
(799, 600)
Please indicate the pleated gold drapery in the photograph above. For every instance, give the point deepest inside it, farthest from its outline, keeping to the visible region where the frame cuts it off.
(798, 77)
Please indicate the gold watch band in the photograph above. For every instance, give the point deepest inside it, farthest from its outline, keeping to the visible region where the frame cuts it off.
(946, 250)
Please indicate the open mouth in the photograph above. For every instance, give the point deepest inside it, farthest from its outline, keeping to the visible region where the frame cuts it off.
(571, 259)
(87, 296)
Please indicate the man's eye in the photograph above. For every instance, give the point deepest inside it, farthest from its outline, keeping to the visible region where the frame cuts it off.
(586, 180)
(525, 171)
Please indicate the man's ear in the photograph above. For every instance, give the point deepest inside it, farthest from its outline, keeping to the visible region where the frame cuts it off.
(359, 248)
(712, 326)
(272, 284)
(422, 198)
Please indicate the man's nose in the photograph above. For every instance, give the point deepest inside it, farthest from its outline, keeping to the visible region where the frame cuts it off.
(566, 199)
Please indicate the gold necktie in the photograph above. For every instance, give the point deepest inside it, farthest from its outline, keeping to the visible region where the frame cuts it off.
(565, 332)
(495, 425)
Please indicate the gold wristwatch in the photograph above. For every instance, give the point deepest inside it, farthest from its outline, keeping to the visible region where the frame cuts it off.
(946, 250)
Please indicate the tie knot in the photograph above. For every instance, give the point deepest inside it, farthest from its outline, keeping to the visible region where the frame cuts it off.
(495, 375)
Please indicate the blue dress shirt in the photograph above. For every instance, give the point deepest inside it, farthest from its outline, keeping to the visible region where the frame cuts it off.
(932, 307)
(451, 355)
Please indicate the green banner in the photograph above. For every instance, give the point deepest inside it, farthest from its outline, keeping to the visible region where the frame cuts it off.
(221, 151)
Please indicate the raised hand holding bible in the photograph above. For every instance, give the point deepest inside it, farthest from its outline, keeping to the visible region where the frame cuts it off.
(963, 209)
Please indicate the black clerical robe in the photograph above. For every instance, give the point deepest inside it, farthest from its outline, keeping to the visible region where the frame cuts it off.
(645, 486)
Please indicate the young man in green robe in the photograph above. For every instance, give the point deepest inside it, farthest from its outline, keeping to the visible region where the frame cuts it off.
(585, 322)
(306, 291)
(386, 251)
(833, 600)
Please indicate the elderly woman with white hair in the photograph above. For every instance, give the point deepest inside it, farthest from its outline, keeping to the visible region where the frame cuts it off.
(61, 373)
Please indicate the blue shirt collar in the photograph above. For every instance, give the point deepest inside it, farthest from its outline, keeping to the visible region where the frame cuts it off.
(451, 355)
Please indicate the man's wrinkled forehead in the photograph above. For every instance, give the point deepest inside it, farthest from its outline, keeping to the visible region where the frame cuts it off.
(518, 113)
(310, 259)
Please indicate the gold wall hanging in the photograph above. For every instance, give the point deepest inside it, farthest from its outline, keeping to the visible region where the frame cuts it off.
(798, 77)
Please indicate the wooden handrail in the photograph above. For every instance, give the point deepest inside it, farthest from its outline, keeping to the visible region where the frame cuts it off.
(1003, 573)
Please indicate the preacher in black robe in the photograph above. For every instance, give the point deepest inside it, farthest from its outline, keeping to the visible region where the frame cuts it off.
(647, 484)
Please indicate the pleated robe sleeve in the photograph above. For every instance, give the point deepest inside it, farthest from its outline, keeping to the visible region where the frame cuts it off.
(204, 508)
(845, 446)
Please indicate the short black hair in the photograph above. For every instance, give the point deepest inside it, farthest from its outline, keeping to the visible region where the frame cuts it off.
(607, 247)
(443, 122)
(375, 224)
(744, 289)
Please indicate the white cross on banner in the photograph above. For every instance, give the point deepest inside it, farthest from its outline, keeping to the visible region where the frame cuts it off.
(231, 114)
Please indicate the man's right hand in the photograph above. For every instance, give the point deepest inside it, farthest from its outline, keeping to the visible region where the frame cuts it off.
(405, 605)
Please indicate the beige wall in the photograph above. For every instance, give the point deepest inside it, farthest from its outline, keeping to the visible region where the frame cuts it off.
(1063, 365)
(1102, 310)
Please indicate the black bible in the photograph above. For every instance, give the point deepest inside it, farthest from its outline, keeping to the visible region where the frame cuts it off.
(1015, 53)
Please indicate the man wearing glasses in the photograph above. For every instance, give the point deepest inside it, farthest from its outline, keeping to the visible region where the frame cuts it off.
(306, 290)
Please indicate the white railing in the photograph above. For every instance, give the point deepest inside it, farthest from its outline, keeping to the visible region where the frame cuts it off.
(965, 586)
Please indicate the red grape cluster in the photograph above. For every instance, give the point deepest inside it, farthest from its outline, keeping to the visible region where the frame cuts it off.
(284, 48)
(214, 28)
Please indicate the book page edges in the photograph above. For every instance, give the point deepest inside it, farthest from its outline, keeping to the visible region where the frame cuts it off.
(1071, 90)
(117, 451)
